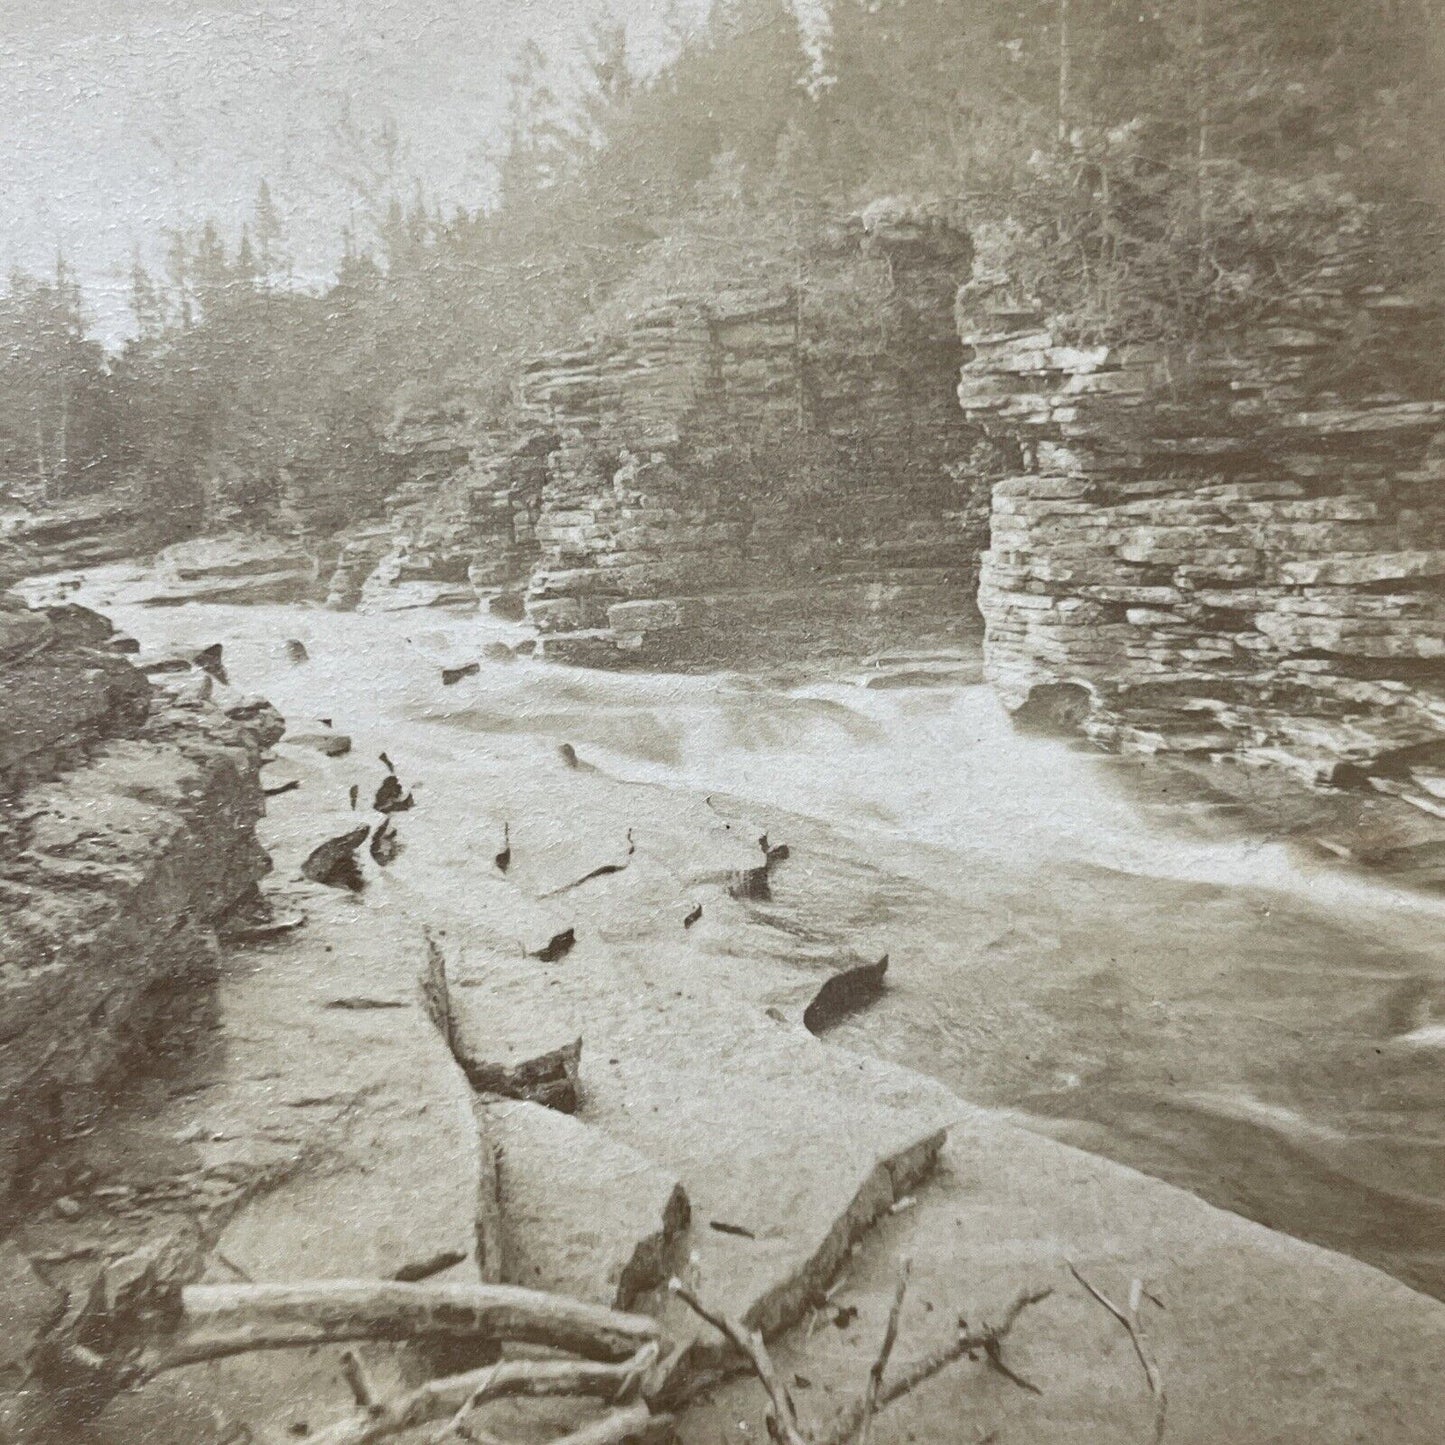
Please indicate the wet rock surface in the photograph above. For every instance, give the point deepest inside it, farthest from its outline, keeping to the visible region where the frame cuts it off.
(695, 1071)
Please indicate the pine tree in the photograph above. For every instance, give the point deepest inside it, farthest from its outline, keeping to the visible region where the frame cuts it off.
(247, 269)
(178, 274)
(147, 304)
(271, 257)
(212, 276)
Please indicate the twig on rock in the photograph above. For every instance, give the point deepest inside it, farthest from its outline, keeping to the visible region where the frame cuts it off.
(357, 1380)
(783, 1419)
(875, 1375)
(853, 1425)
(987, 1340)
(1134, 1327)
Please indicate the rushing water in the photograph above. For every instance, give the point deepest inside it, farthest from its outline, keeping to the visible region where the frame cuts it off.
(1119, 967)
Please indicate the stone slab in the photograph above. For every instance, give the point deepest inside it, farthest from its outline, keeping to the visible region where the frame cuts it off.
(582, 1213)
(1246, 1332)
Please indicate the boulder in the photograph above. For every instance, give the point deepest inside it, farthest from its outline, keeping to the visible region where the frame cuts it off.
(334, 861)
(328, 744)
(582, 1214)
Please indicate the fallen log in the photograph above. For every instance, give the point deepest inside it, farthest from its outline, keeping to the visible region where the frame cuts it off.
(216, 1321)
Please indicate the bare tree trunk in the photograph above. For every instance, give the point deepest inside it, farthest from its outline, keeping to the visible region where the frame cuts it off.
(1066, 67)
(42, 474)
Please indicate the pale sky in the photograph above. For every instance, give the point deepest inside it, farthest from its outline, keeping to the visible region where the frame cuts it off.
(121, 117)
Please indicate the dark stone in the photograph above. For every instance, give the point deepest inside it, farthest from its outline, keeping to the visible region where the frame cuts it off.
(558, 946)
(843, 994)
(260, 719)
(389, 797)
(456, 674)
(384, 844)
(208, 659)
(549, 1079)
(1054, 707)
(751, 884)
(296, 651)
(79, 625)
(334, 861)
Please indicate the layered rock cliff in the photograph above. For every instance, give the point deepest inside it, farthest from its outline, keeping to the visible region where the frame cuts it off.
(126, 828)
(1234, 553)
(719, 463)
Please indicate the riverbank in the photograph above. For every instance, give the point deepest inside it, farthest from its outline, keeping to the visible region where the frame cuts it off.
(1006, 973)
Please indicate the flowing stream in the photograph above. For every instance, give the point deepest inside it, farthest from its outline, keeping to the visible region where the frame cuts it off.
(1116, 963)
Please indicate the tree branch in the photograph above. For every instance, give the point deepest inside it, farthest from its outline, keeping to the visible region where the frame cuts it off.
(988, 1340)
(783, 1421)
(875, 1375)
(455, 1395)
(217, 1321)
(1134, 1327)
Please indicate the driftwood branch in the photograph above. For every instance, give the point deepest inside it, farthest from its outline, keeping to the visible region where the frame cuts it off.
(452, 1395)
(1134, 1328)
(632, 1425)
(880, 1365)
(851, 1426)
(454, 1428)
(783, 1419)
(986, 1340)
(217, 1321)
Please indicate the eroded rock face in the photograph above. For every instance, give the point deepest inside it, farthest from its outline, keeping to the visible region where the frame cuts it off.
(126, 825)
(722, 464)
(1235, 556)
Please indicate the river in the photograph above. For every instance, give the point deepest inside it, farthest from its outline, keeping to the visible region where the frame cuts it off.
(1114, 961)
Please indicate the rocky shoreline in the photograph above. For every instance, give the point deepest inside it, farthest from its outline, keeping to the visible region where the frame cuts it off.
(325, 1121)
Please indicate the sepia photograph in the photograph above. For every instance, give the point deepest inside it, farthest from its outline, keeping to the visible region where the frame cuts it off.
(722, 722)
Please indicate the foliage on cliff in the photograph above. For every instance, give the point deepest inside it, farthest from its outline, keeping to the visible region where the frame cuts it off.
(1160, 169)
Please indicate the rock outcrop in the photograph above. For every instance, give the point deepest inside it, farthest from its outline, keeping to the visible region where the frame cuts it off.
(126, 828)
(82, 533)
(1235, 554)
(716, 465)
